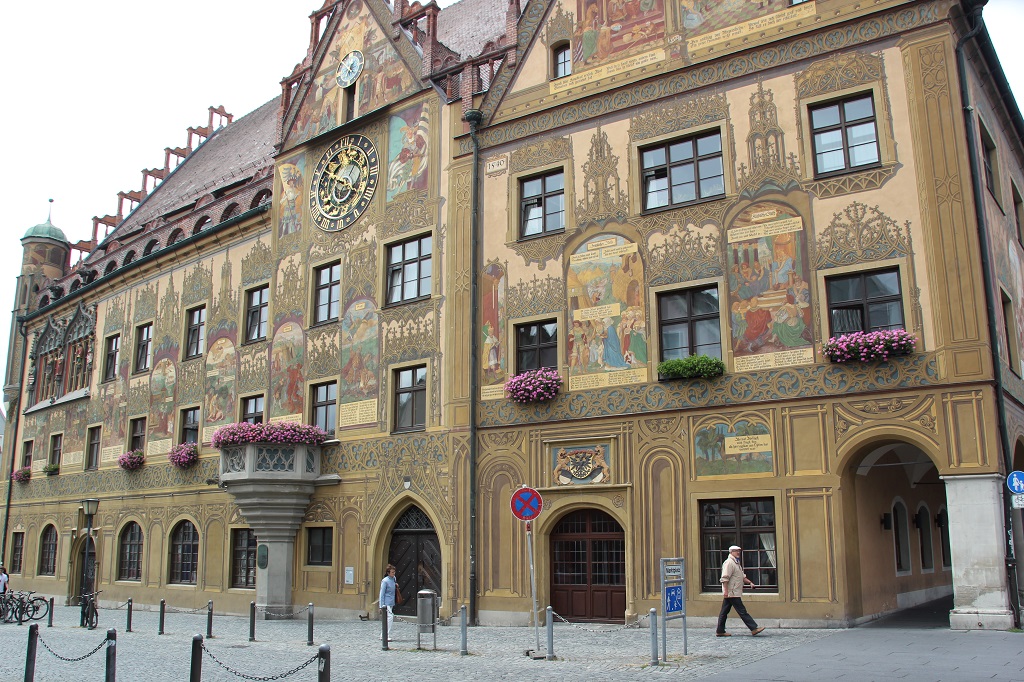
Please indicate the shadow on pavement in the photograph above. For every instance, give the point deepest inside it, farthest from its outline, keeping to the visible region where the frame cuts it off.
(931, 615)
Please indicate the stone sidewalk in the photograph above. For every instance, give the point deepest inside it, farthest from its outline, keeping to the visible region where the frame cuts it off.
(590, 652)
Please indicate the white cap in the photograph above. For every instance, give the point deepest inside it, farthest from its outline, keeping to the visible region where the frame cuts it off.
(734, 548)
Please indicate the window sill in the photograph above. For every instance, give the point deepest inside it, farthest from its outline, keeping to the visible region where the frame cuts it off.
(847, 171)
(318, 568)
(252, 341)
(324, 323)
(541, 235)
(406, 301)
(191, 357)
(415, 429)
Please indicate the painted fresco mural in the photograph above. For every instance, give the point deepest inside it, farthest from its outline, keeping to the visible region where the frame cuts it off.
(162, 382)
(360, 351)
(611, 29)
(408, 149)
(604, 286)
(384, 76)
(287, 357)
(769, 294)
(290, 173)
(220, 383)
(493, 359)
(723, 448)
(705, 23)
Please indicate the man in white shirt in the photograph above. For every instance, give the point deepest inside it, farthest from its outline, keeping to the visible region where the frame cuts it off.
(733, 580)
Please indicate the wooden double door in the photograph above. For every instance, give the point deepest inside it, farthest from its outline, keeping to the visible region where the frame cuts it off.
(588, 567)
(416, 554)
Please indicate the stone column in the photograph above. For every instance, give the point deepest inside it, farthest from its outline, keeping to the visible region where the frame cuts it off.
(978, 547)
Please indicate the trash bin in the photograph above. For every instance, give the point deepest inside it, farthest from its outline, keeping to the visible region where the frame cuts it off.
(426, 615)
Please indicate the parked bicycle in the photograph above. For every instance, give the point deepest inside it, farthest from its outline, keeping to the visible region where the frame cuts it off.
(90, 612)
(21, 606)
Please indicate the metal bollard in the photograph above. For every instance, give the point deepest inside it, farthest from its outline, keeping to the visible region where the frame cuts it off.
(384, 628)
(209, 619)
(49, 616)
(309, 626)
(196, 668)
(654, 637)
(464, 651)
(111, 671)
(163, 608)
(323, 666)
(129, 628)
(252, 621)
(551, 634)
(30, 655)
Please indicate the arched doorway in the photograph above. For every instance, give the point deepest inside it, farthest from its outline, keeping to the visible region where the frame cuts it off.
(84, 571)
(588, 567)
(416, 554)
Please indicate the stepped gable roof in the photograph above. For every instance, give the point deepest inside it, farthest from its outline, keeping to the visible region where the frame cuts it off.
(467, 25)
(230, 154)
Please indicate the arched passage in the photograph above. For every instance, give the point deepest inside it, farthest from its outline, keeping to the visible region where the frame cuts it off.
(588, 567)
(415, 552)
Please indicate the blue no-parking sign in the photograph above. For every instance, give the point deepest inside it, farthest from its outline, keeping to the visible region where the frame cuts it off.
(1015, 482)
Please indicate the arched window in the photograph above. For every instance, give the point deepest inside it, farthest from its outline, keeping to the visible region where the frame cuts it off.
(128, 258)
(203, 224)
(561, 60)
(229, 212)
(111, 266)
(130, 553)
(48, 551)
(184, 553)
(942, 521)
(923, 521)
(901, 537)
(58, 292)
(44, 301)
(76, 285)
(175, 237)
(150, 247)
(262, 197)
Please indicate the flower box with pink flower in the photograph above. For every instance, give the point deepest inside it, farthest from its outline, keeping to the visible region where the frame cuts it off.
(868, 346)
(276, 451)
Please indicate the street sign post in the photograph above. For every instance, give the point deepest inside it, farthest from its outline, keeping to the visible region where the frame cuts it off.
(1015, 482)
(673, 587)
(526, 505)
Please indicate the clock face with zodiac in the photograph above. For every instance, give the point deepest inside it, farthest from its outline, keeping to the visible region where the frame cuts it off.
(343, 183)
(350, 68)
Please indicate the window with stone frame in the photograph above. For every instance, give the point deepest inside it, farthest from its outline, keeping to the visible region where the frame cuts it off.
(112, 356)
(542, 204)
(92, 448)
(865, 302)
(410, 396)
(143, 345)
(190, 425)
(409, 270)
(257, 311)
(844, 135)
(243, 558)
(682, 171)
(130, 553)
(319, 546)
(195, 332)
(184, 554)
(26, 454)
(48, 551)
(252, 409)
(561, 61)
(137, 434)
(62, 356)
(17, 551)
(748, 523)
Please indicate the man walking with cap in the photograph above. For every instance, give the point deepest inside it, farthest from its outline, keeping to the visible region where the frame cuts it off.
(733, 580)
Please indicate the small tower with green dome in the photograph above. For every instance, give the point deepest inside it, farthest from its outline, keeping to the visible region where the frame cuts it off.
(46, 254)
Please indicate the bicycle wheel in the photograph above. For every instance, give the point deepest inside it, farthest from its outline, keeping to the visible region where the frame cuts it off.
(92, 616)
(40, 607)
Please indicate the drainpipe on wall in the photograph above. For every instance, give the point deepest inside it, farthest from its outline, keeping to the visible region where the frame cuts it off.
(990, 294)
(14, 441)
(473, 117)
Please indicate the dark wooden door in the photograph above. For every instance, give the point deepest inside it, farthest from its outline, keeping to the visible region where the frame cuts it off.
(588, 567)
(87, 562)
(416, 554)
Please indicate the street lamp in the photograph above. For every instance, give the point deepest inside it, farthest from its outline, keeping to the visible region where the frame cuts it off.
(89, 507)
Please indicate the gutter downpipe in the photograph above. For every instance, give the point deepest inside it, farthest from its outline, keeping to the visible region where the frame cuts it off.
(986, 271)
(473, 117)
(14, 441)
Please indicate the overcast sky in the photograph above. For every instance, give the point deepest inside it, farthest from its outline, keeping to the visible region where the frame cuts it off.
(95, 91)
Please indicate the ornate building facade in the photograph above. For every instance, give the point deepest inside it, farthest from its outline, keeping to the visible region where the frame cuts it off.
(435, 205)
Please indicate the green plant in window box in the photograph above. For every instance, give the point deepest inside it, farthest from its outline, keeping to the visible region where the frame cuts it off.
(51, 469)
(692, 367)
(22, 475)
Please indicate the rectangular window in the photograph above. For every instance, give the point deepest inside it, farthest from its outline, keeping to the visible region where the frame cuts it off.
(137, 434)
(411, 399)
(320, 546)
(17, 551)
(56, 444)
(92, 455)
(563, 61)
(749, 523)
(113, 354)
(1010, 334)
(328, 293)
(542, 204)
(257, 305)
(991, 162)
(190, 425)
(252, 409)
(195, 337)
(26, 454)
(688, 323)
(683, 171)
(143, 341)
(409, 270)
(243, 558)
(844, 136)
(865, 302)
(48, 552)
(325, 406)
(1018, 214)
(536, 345)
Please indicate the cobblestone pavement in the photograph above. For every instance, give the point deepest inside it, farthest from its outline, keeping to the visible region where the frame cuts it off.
(499, 653)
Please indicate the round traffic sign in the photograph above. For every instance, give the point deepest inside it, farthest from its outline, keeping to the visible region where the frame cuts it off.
(526, 504)
(1015, 482)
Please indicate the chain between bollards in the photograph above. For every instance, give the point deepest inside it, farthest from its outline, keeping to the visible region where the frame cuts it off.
(111, 669)
(209, 619)
(163, 610)
(551, 634)
(464, 651)
(129, 628)
(196, 668)
(323, 666)
(309, 625)
(252, 621)
(654, 637)
(30, 654)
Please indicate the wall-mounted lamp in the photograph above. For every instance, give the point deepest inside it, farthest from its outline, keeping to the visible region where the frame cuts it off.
(407, 482)
(887, 521)
(942, 519)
